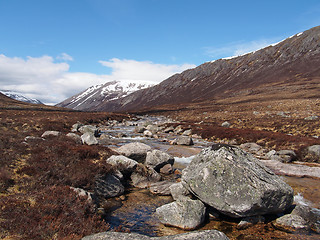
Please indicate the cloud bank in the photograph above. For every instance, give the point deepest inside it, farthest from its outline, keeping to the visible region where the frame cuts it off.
(51, 82)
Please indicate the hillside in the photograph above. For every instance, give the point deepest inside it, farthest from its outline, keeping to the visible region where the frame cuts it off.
(289, 69)
(95, 95)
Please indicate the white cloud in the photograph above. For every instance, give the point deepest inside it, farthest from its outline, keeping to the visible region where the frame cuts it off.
(142, 70)
(52, 82)
(65, 57)
(237, 48)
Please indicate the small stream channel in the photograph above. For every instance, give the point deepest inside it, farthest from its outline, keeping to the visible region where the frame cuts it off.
(135, 211)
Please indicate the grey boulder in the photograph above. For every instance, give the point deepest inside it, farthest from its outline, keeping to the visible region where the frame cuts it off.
(144, 176)
(89, 139)
(108, 186)
(136, 151)
(184, 213)
(195, 235)
(157, 159)
(184, 140)
(235, 183)
(122, 163)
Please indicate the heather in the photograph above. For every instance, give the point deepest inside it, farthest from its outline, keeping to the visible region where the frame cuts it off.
(36, 175)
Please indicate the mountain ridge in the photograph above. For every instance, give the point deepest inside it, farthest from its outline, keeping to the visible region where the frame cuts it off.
(94, 95)
(291, 61)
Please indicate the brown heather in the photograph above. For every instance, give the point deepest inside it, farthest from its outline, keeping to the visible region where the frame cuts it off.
(36, 201)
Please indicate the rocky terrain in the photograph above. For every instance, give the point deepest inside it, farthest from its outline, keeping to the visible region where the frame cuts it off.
(74, 174)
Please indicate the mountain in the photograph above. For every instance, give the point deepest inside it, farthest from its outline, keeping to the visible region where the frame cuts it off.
(20, 97)
(92, 97)
(290, 68)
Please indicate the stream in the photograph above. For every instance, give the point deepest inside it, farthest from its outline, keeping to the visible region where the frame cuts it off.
(135, 210)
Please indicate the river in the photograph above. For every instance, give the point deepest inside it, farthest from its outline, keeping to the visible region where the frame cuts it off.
(135, 210)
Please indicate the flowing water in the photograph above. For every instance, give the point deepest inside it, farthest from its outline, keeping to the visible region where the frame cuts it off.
(135, 211)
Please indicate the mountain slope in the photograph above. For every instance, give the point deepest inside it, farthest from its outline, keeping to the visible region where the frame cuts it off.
(95, 95)
(289, 66)
(20, 97)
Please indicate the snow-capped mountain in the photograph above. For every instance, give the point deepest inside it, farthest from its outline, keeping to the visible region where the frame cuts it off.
(291, 66)
(93, 96)
(18, 96)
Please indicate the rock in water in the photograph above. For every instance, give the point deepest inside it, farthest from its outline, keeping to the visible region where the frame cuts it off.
(157, 159)
(196, 235)
(136, 151)
(108, 186)
(235, 183)
(184, 213)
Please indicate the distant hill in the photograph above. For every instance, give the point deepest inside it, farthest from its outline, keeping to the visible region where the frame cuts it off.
(93, 96)
(288, 69)
(20, 97)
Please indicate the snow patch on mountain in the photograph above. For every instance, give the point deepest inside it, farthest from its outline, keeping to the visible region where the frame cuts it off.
(18, 96)
(107, 92)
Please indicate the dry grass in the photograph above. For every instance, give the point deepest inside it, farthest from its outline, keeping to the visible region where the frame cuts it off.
(36, 201)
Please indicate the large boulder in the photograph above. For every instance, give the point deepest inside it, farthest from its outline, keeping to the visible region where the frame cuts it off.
(302, 218)
(108, 186)
(122, 163)
(177, 191)
(184, 213)
(161, 188)
(184, 140)
(89, 129)
(89, 139)
(157, 159)
(144, 176)
(136, 151)
(195, 235)
(235, 183)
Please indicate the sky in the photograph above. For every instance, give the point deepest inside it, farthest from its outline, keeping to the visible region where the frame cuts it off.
(53, 49)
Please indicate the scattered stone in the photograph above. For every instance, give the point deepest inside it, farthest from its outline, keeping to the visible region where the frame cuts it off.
(139, 129)
(250, 147)
(89, 129)
(122, 163)
(108, 186)
(187, 132)
(315, 150)
(178, 130)
(32, 138)
(296, 170)
(177, 191)
(152, 128)
(250, 221)
(76, 126)
(225, 124)
(75, 137)
(161, 188)
(302, 218)
(148, 133)
(137, 151)
(285, 156)
(166, 169)
(184, 140)
(311, 118)
(168, 129)
(235, 183)
(157, 159)
(50, 133)
(144, 176)
(89, 139)
(83, 193)
(184, 213)
(194, 235)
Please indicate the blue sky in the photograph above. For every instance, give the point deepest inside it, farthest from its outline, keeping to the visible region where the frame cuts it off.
(52, 49)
